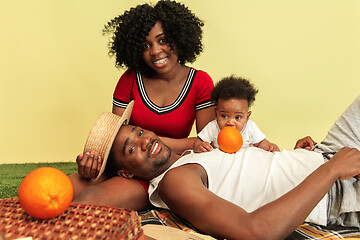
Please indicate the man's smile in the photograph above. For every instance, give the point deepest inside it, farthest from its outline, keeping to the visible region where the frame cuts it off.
(155, 148)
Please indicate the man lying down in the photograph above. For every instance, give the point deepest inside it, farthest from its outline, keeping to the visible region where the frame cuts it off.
(251, 193)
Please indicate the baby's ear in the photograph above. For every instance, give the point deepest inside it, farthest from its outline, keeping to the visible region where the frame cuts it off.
(125, 174)
(248, 114)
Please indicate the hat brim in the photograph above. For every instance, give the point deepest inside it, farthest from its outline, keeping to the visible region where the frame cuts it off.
(103, 133)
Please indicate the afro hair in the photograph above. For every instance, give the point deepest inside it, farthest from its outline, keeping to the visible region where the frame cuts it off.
(234, 87)
(129, 30)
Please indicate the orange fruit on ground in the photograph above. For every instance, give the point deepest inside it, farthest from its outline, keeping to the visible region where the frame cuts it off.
(45, 193)
(230, 140)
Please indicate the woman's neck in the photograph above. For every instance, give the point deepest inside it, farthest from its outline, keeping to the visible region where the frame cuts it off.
(174, 73)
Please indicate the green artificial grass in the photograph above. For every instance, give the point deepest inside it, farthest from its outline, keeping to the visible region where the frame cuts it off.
(11, 175)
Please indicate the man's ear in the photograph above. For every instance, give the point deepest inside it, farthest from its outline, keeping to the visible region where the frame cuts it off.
(125, 174)
(248, 115)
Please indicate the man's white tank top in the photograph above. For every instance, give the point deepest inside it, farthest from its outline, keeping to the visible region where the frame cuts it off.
(252, 177)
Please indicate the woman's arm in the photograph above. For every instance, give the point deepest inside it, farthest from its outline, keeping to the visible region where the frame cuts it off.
(117, 110)
(203, 117)
(178, 146)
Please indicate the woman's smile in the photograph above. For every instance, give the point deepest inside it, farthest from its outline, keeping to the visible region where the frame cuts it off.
(160, 62)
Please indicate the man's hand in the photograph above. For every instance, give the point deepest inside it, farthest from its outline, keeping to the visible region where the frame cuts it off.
(89, 164)
(346, 162)
(202, 146)
(306, 143)
(267, 146)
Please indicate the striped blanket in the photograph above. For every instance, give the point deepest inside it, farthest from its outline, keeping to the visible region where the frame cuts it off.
(305, 231)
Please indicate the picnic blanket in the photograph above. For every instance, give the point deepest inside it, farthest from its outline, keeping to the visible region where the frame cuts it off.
(305, 231)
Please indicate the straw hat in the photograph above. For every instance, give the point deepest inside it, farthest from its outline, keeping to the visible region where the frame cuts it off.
(103, 133)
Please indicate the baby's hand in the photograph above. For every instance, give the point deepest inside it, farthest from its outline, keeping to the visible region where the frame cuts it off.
(202, 146)
(268, 146)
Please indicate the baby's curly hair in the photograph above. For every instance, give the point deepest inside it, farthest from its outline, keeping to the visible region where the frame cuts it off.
(129, 30)
(234, 87)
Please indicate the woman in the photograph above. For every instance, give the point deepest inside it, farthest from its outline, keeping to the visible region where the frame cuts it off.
(153, 43)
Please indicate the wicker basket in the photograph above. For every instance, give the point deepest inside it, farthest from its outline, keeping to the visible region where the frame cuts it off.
(79, 221)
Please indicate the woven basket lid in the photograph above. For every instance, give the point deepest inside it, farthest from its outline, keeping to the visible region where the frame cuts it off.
(103, 133)
(78, 222)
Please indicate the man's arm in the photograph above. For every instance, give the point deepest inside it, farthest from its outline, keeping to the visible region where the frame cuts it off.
(183, 190)
(89, 164)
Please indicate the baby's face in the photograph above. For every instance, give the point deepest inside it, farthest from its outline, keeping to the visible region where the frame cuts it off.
(232, 112)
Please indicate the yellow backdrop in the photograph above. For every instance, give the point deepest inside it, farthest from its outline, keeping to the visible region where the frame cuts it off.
(56, 76)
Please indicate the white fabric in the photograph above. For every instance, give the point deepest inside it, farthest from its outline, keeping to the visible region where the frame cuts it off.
(252, 177)
(251, 134)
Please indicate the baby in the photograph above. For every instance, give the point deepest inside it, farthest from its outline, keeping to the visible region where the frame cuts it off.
(233, 97)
